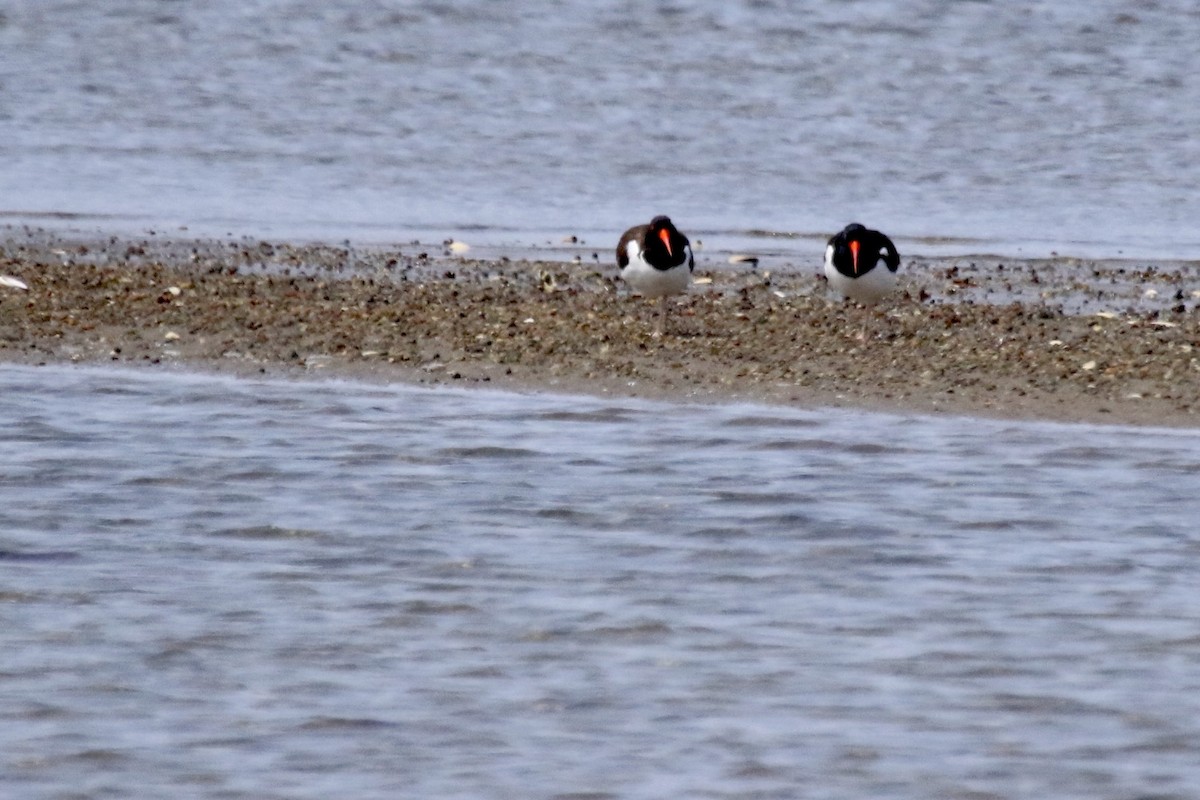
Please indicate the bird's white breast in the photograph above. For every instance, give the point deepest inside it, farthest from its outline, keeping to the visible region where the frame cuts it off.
(868, 288)
(651, 282)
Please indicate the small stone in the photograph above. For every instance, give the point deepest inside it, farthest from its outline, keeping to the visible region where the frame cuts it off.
(1088, 366)
(316, 361)
(170, 336)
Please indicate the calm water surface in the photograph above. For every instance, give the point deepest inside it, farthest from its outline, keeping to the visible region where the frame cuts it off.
(1025, 127)
(254, 589)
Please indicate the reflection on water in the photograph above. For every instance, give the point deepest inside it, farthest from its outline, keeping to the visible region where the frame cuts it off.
(284, 589)
(1061, 126)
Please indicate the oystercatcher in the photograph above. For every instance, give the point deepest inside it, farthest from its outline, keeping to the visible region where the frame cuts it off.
(852, 264)
(656, 261)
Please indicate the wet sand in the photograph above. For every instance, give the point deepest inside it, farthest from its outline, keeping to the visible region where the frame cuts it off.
(1056, 339)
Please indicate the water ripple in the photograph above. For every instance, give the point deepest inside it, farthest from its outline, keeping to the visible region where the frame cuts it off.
(380, 590)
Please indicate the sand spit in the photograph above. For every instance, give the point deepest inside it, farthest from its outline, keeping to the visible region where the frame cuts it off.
(1057, 339)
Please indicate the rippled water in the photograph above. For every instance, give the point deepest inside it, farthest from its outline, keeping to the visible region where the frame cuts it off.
(222, 588)
(1026, 127)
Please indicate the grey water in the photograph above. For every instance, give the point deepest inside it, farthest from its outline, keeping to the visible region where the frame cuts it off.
(1023, 128)
(217, 587)
(251, 589)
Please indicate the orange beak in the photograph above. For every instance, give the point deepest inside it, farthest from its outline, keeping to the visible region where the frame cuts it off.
(854, 245)
(666, 239)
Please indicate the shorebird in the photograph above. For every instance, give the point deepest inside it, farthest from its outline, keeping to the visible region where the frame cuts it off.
(852, 264)
(13, 283)
(656, 261)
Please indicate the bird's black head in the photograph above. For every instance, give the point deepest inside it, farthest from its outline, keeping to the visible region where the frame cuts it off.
(665, 245)
(857, 249)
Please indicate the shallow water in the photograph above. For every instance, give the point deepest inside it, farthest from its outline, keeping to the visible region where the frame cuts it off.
(250, 588)
(996, 127)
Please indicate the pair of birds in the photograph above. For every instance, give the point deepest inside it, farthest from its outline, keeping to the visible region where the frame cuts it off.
(656, 261)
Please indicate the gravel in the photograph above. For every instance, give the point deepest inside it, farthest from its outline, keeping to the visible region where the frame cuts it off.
(1058, 339)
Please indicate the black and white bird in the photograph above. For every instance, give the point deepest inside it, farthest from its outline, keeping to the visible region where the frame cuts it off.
(656, 260)
(861, 264)
(12, 283)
